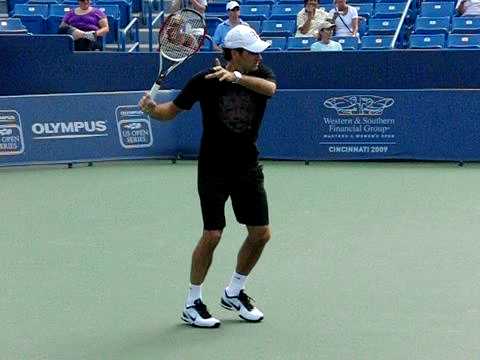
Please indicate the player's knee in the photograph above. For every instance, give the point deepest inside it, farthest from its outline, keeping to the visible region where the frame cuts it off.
(260, 236)
(211, 238)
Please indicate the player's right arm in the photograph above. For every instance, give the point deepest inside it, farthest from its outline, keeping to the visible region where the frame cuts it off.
(163, 111)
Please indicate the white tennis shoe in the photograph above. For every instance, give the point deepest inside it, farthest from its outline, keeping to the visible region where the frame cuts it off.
(243, 304)
(197, 315)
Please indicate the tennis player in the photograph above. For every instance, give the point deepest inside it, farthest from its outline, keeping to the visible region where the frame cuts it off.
(233, 101)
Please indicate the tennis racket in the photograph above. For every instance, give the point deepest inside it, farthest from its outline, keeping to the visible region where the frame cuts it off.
(181, 35)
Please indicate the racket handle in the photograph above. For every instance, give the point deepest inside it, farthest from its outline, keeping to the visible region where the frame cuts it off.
(154, 90)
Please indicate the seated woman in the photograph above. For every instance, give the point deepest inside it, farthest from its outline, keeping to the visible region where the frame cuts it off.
(87, 25)
(309, 18)
(346, 19)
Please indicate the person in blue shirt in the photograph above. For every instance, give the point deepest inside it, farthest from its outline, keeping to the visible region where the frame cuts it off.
(325, 30)
(233, 11)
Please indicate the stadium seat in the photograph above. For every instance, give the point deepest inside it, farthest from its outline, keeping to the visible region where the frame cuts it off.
(300, 43)
(427, 41)
(217, 9)
(465, 41)
(285, 11)
(207, 44)
(55, 16)
(278, 27)
(124, 6)
(12, 26)
(365, 9)
(347, 42)
(257, 25)
(278, 43)
(33, 16)
(382, 26)
(212, 23)
(290, 2)
(260, 2)
(437, 9)
(429, 25)
(255, 12)
(389, 10)
(113, 16)
(371, 42)
(466, 25)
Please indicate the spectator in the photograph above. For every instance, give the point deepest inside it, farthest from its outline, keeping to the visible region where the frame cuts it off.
(345, 18)
(87, 25)
(468, 7)
(324, 36)
(199, 5)
(309, 18)
(233, 12)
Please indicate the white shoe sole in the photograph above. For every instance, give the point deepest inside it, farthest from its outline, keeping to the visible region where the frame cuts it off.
(191, 323)
(229, 307)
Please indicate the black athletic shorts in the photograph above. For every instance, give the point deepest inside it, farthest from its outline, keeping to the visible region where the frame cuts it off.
(246, 190)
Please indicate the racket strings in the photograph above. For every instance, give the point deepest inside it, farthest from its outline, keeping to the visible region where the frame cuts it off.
(182, 35)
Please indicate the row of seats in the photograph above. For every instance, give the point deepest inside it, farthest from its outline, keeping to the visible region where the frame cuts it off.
(445, 25)
(46, 8)
(289, 43)
(131, 5)
(45, 19)
(290, 11)
(439, 41)
(373, 26)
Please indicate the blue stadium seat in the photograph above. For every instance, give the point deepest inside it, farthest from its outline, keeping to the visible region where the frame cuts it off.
(389, 10)
(365, 9)
(55, 16)
(33, 16)
(212, 23)
(278, 27)
(124, 6)
(372, 42)
(430, 25)
(257, 25)
(427, 41)
(278, 43)
(217, 9)
(207, 44)
(12, 26)
(437, 9)
(347, 42)
(285, 11)
(300, 43)
(382, 26)
(259, 2)
(466, 25)
(290, 2)
(255, 12)
(465, 41)
(327, 7)
(113, 16)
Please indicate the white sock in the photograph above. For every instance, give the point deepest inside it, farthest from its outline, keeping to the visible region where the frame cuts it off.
(237, 283)
(194, 293)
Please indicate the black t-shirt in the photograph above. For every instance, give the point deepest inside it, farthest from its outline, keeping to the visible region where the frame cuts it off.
(232, 115)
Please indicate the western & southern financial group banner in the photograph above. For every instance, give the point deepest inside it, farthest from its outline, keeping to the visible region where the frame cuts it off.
(298, 124)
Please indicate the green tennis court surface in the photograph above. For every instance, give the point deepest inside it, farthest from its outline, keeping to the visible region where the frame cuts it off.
(367, 261)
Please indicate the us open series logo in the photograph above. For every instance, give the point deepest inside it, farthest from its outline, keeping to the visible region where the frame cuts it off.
(11, 134)
(134, 128)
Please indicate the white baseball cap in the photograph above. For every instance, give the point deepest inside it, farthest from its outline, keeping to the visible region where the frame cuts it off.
(232, 5)
(243, 36)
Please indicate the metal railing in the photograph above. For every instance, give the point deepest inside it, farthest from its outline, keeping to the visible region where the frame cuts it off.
(152, 22)
(400, 24)
(123, 34)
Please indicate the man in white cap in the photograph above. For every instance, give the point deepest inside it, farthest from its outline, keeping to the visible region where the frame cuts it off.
(233, 12)
(233, 99)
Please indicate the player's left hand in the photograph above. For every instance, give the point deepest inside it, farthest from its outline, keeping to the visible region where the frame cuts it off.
(220, 73)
